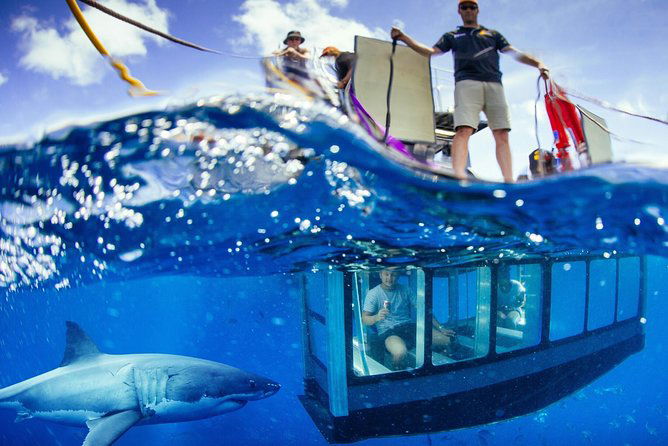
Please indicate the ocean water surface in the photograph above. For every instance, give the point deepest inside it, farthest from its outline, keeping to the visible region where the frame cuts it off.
(186, 230)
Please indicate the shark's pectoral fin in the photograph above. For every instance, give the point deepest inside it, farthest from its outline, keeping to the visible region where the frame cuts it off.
(104, 431)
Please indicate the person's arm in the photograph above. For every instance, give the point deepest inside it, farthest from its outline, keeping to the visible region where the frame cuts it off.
(303, 54)
(527, 60)
(291, 52)
(436, 325)
(371, 319)
(343, 82)
(416, 46)
(373, 311)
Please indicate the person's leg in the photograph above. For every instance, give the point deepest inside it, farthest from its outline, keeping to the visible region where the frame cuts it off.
(460, 151)
(439, 340)
(498, 117)
(397, 348)
(469, 102)
(503, 156)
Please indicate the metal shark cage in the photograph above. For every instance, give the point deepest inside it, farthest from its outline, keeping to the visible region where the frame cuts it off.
(580, 317)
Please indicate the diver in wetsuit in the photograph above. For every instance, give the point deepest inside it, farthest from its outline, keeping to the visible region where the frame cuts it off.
(512, 297)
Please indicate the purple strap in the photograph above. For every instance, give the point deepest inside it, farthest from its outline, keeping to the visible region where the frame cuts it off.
(376, 130)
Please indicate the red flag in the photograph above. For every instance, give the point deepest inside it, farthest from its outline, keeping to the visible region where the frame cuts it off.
(563, 116)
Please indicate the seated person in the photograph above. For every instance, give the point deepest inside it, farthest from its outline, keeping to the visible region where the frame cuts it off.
(294, 56)
(344, 62)
(388, 308)
(512, 297)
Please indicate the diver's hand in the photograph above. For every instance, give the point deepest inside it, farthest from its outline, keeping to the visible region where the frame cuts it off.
(397, 34)
(382, 314)
(448, 332)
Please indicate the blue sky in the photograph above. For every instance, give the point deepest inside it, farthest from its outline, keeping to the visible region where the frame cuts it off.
(50, 75)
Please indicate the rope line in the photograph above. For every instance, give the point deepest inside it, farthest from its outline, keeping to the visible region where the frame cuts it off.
(164, 35)
(608, 131)
(535, 110)
(608, 105)
(116, 15)
(137, 88)
(388, 116)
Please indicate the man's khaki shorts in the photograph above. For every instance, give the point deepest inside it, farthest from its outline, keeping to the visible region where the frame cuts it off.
(472, 97)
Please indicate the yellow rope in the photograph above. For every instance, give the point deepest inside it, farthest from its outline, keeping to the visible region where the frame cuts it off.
(137, 88)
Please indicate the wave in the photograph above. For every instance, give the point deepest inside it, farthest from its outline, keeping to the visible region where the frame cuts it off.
(263, 184)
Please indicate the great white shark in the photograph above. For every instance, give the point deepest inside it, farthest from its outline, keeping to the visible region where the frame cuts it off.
(111, 393)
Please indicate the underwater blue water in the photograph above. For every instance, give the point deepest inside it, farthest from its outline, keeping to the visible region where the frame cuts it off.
(185, 231)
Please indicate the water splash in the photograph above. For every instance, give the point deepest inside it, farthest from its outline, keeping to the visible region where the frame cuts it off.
(260, 184)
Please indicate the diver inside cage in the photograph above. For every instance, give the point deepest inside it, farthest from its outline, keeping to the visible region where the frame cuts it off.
(512, 297)
(388, 309)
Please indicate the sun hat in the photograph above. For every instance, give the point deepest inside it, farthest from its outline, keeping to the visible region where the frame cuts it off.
(468, 1)
(293, 34)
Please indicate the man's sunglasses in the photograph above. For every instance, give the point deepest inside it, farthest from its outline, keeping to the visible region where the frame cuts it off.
(465, 7)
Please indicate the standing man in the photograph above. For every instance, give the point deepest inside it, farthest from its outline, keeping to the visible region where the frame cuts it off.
(477, 83)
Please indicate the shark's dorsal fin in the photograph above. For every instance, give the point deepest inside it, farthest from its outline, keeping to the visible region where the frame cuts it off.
(77, 344)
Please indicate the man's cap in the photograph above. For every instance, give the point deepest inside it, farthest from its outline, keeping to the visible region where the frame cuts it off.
(468, 1)
(293, 34)
(330, 51)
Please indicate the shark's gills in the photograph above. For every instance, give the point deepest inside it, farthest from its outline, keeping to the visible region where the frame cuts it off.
(150, 387)
(104, 431)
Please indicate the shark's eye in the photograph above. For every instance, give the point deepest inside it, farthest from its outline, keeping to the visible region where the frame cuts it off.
(252, 384)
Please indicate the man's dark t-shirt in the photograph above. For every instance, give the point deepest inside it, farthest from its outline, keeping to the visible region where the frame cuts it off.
(344, 62)
(475, 51)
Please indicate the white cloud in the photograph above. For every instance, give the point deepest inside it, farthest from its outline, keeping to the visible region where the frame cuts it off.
(70, 54)
(3, 79)
(266, 22)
